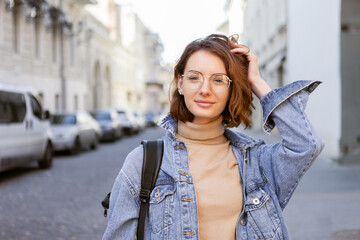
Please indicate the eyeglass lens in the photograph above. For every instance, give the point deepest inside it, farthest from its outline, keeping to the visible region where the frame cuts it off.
(194, 80)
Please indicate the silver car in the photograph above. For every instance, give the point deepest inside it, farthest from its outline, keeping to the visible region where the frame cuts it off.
(73, 131)
(110, 124)
(128, 122)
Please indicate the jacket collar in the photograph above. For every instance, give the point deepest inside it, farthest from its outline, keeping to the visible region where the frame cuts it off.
(237, 139)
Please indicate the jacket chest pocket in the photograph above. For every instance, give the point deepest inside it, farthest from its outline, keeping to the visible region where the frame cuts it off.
(161, 208)
(263, 221)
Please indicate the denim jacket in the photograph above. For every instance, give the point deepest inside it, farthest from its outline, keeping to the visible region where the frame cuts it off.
(269, 176)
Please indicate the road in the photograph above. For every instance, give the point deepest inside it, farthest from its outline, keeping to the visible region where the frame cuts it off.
(63, 203)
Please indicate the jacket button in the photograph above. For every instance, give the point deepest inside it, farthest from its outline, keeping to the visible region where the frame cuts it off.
(157, 194)
(243, 222)
(189, 233)
(183, 173)
(256, 201)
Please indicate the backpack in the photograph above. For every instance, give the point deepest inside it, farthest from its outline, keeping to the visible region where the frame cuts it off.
(153, 152)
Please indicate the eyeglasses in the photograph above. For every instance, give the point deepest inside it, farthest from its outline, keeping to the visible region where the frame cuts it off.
(193, 80)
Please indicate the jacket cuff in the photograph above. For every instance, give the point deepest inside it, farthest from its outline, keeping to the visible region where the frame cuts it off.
(274, 98)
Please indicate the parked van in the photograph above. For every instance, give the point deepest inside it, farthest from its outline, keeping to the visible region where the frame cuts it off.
(24, 129)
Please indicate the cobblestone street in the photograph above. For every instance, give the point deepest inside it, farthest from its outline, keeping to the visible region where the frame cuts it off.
(64, 202)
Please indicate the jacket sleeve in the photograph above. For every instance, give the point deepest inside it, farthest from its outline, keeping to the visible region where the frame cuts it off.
(124, 204)
(286, 162)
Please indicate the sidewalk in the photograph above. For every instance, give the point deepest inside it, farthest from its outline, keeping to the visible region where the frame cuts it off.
(325, 205)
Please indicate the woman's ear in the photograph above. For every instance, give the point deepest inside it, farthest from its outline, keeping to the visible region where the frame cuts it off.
(179, 84)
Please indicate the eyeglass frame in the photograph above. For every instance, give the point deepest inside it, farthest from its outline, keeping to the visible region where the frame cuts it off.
(203, 77)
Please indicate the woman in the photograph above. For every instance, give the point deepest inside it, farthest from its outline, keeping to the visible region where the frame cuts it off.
(215, 183)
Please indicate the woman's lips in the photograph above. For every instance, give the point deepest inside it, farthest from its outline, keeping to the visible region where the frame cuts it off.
(204, 104)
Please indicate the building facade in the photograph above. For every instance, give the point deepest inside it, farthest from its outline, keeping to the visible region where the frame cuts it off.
(299, 40)
(76, 54)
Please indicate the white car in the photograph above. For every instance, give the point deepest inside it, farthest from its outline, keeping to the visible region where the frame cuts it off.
(140, 119)
(128, 122)
(24, 129)
(74, 131)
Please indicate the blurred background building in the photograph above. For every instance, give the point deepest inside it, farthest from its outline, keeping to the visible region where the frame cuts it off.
(82, 54)
(88, 55)
(304, 39)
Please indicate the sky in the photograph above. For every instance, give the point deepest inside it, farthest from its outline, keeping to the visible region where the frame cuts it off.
(178, 22)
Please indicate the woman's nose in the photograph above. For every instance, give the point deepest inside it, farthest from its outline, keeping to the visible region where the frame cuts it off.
(205, 88)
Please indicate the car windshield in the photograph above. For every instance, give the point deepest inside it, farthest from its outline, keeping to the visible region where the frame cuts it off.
(123, 116)
(103, 116)
(149, 115)
(68, 119)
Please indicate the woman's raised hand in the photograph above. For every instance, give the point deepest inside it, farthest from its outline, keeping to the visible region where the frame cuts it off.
(258, 85)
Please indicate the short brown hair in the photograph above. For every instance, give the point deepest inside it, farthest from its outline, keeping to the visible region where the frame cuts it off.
(239, 107)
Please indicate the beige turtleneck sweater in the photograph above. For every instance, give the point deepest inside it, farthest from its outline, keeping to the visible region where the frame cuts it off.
(216, 178)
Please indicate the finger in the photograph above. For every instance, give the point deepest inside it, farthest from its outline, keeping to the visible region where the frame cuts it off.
(244, 50)
(250, 56)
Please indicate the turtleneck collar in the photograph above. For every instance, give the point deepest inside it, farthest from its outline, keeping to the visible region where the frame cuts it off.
(201, 131)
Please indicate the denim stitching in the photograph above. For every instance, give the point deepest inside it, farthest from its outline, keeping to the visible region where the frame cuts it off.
(289, 194)
(287, 97)
(132, 189)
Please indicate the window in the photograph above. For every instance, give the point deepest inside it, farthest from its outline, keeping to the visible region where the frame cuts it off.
(12, 107)
(37, 44)
(57, 102)
(54, 45)
(76, 103)
(16, 30)
(35, 106)
(280, 73)
(63, 119)
(41, 98)
(72, 50)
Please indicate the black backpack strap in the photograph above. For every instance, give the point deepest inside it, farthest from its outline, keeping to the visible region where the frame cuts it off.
(153, 152)
(106, 203)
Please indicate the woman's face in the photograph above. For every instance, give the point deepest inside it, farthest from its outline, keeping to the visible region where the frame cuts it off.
(205, 104)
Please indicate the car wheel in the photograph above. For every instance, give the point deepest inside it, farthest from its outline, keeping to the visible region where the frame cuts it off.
(95, 143)
(113, 136)
(46, 161)
(119, 135)
(76, 148)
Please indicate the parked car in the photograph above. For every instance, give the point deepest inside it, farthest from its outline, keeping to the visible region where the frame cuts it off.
(140, 119)
(110, 124)
(74, 131)
(127, 122)
(150, 119)
(24, 129)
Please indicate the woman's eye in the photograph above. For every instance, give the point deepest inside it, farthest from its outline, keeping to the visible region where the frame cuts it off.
(194, 78)
(218, 80)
